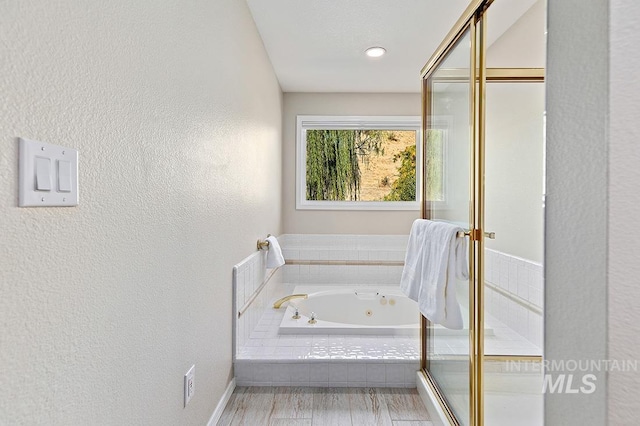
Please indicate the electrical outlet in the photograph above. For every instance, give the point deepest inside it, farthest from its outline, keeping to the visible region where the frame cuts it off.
(189, 384)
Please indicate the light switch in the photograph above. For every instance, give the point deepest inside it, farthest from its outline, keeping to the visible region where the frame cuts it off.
(43, 174)
(48, 175)
(64, 176)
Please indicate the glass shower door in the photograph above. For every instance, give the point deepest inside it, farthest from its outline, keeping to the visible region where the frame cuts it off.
(448, 197)
(514, 182)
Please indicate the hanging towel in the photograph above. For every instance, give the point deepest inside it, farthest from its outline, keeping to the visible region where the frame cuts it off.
(434, 259)
(274, 255)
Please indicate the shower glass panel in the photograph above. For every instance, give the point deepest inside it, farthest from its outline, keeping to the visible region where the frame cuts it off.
(514, 178)
(447, 167)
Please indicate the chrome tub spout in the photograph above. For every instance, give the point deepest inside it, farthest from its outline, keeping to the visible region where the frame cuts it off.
(279, 302)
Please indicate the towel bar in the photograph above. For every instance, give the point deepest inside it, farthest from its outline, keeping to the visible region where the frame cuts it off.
(263, 244)
(462, 234)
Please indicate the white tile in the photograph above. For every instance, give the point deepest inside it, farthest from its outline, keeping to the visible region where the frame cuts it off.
(337, 372)
(262, 373)
(304, 270)
(512, 315)
(501, 307)
(376, 373)
(357, 372)
(303, 341)
(246, 329)
(299, 373)
(488, 300)
(410, 373)
(290, 253)
(284, 352)
(488, 263)
(535, 296)
(293, 270)
(319, 372)
(523, 284)
(495, 269)
(523, 320)
(280, 373)
(300, 353)
(504, 273)
(237, 285)
(343, 355)
(535, 329)
(335, 254)
(317, 354)
(324, 271)
(243, 371)
(513, 276)
(397, 255)
(286, 341)
(320, 339)
(394, 373)
(538, 279)
(531, 273)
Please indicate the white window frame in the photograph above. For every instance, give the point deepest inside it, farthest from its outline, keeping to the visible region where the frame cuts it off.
(325, 122)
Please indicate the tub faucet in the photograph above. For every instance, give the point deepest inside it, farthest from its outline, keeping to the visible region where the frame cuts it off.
(313, 318)
(279, 302)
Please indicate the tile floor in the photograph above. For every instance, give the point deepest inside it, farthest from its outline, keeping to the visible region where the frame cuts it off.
(309, 406)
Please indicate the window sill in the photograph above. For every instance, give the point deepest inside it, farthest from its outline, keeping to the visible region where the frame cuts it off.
(359, 205)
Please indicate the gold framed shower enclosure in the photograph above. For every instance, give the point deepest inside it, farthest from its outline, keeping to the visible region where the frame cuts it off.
(471, 24)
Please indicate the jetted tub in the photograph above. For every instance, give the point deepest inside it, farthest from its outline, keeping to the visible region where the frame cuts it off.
(352, 310)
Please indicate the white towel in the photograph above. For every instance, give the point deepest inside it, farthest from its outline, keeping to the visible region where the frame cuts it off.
(274, 255)
(434, 259)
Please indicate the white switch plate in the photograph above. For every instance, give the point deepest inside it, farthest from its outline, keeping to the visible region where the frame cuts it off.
(58, 195)
(189, 384)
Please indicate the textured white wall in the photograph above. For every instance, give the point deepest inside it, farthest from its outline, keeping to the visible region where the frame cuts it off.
(524, 44)
(624, 210)
(176, 112)
(514, 168)
(515, 138)
(339, 222)
(576, 203)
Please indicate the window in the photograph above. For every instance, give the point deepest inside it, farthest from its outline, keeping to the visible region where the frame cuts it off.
(358, 163)
(436, 162)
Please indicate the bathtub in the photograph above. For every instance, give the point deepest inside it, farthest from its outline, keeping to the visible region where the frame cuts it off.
(376, 310)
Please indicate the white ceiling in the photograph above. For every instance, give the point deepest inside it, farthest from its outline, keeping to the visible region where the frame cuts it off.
(318, 45)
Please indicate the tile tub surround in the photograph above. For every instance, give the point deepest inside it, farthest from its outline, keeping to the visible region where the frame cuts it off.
(523, 279)
(251, 272)
(503, 341)
(339, 248)
(248, 276)
(270, 359)
(265, 358)
(326, 374)
(516, 276)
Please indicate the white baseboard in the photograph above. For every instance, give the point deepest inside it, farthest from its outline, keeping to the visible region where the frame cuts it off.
(217, 413)
(438, 417)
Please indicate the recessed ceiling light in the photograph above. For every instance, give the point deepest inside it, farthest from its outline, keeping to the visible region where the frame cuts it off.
(375, 52)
